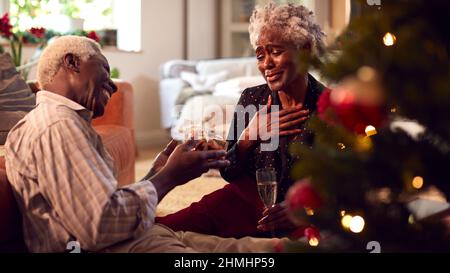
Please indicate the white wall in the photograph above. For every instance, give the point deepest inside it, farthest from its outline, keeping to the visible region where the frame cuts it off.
(162, 32)
(202, 34)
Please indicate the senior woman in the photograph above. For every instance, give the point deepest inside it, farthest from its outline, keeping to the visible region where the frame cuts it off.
(278, 34)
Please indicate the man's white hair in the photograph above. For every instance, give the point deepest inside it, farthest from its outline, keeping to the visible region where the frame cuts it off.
(53, 55)
(296, 23)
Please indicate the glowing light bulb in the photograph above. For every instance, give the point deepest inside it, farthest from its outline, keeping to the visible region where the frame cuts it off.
(343, 213)
(389, 39)
(357, 224)
(366, 74)
(370, 130)
(313, 241)
(309, 211)
(411, 219)
(363, 144)
(417, 182)
(341, 146)
(346, 220)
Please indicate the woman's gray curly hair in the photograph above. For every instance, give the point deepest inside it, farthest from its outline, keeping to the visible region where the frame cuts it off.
(295, 21)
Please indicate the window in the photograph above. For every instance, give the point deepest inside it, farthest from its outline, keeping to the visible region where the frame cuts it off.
(117, 22)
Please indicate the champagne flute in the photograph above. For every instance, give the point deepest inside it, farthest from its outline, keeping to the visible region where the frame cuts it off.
(266, 180)
(196, 132)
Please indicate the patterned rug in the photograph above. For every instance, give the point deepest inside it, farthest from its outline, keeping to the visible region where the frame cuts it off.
(182, 196)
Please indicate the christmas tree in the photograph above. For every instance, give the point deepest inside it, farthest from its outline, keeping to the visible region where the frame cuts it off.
(381, 154)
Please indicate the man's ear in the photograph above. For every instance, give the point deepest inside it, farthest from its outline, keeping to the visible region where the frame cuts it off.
(72, 62)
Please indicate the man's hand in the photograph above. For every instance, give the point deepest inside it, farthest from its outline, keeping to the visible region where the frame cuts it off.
(185, 164)
(212, 144)
(161, 158)
(276, 218)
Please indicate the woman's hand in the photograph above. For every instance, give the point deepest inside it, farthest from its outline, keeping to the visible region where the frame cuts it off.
(261, 126)
(277, 218)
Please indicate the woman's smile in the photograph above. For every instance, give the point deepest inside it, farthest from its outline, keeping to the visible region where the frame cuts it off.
(272, 77)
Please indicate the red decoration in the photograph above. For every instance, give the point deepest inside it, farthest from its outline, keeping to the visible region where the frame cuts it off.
(312, 232)
(302, 195)
(298, 233)
(5, 26)
(323, 104)
(38, 32)
(351, 113)
(94, 36)
(309, 232)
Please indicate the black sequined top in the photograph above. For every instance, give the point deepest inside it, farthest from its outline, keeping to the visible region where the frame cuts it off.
(280, 158)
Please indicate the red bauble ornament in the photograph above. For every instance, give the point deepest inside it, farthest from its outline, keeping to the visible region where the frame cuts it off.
(298, 233)
(312, 232)
(354, 104)
(302, 195)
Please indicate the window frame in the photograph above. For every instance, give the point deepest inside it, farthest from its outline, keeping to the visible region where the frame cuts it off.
(126, 41)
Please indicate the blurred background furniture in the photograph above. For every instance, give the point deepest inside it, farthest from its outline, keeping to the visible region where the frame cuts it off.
(116, 128)
(188, 88)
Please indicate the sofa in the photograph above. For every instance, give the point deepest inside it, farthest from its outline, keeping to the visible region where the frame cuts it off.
(188, 88)
(116, 127)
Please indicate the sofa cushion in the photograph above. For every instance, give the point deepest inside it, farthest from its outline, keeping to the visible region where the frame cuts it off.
(7, 120)
(118, 141)
(236, 67)
(16, 98)
(203, 83)
(173, 68)
(235, 86)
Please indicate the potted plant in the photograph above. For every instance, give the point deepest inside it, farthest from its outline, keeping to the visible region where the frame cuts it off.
(72, 11)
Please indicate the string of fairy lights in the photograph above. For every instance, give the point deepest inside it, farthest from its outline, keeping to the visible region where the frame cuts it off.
(354, 222)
